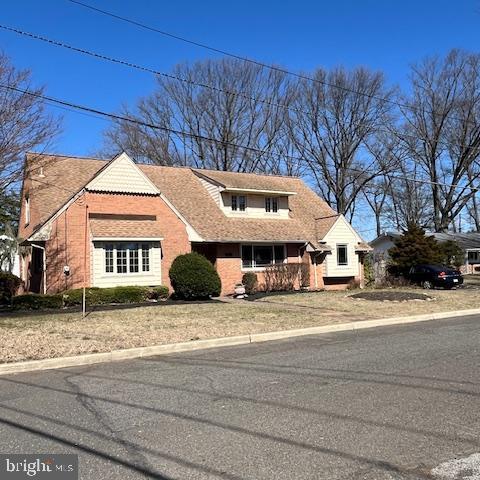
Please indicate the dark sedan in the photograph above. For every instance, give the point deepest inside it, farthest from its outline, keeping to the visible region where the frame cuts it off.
(431, 276)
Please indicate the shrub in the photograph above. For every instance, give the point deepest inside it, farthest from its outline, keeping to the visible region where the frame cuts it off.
(390, 281)
(305, 274)
(157, 293)
(282, 277)
(250, 281)
(193, 276)
(413, 247)
(102, 296)
(452, 253)
(33, 301)
(353, 284)
(9, 285)
(369, 270)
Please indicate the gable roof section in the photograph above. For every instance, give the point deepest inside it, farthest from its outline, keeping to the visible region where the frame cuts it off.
(122, 175)
(310, 218)
(55, 179)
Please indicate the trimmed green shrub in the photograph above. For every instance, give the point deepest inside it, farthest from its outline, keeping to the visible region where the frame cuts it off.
(250, 282)
(33, 301)
(102, 296)
(9, 284)
(194, 277)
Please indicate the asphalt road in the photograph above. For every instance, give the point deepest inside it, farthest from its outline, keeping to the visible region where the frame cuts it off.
(385, 403)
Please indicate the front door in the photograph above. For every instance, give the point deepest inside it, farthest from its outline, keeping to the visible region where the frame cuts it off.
(36, 271)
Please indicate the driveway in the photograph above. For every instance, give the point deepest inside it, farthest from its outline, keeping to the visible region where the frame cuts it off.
(385, 403)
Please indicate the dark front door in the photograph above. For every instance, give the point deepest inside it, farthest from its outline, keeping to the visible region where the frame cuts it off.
(36, 271)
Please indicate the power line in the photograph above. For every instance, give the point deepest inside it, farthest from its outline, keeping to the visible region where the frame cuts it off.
(243, 58)
(122, 118)
(143, 68)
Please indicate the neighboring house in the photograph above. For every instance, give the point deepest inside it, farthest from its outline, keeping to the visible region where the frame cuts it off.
(107, 223)
(468, 242)
(9, 258)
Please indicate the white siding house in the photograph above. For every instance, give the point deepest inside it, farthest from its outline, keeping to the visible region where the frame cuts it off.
(343, 259)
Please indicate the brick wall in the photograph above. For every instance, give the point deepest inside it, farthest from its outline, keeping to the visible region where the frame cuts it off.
(229, 266)
(67, 243)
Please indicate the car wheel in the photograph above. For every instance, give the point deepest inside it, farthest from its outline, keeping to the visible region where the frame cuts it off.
(427, 285)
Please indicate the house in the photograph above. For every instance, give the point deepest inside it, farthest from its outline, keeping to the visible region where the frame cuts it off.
(106, 223)
(468, 242)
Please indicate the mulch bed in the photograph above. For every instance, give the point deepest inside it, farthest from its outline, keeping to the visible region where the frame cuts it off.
(391, 296)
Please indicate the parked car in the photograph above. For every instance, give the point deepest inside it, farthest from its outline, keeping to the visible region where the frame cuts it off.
(431, 276)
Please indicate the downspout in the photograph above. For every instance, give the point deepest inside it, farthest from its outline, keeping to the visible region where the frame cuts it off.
(44, 262)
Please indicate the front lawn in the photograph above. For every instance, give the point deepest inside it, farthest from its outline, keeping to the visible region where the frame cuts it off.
(52, 334)
(35, 336)
(443, 301)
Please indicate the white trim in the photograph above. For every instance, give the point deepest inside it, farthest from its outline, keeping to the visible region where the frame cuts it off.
(345, 246)
(259, 191)
(27, 210)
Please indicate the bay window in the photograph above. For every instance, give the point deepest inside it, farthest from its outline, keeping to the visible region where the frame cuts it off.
(258, 256)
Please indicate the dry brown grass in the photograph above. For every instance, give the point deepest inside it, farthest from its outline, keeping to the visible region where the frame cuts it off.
(444, 301)
(24, 337)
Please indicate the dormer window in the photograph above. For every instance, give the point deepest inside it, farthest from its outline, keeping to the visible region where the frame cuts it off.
(239, 203)
(271, 204)
(27, 210)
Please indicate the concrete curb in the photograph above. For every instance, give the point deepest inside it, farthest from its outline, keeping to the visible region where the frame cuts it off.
(116, 355)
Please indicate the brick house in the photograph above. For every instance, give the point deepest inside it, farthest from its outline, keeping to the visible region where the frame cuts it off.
(107, 223)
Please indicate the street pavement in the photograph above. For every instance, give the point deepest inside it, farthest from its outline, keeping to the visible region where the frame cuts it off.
(384, 403)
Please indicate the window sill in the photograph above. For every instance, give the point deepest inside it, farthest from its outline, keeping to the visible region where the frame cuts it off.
(260, 269)
(133, 274)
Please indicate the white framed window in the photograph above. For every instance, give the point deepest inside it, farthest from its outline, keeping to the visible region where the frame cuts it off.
(124, 258)
(259, 256)
(271, 204)
(109, 265)
(145, 257)
(239, 203)
(27, 210)
(342, 254)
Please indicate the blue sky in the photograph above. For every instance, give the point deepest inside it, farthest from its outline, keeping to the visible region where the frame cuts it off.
(380, 34)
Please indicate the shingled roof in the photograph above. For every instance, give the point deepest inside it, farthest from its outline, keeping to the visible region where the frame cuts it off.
(310, 218)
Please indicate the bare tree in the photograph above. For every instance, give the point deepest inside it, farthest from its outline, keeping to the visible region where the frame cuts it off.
(24, 123)
(334, 120)
(441, 130)
(241, 107)
(408, 200)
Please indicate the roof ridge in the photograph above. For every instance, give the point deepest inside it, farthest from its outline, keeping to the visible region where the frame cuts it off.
(72, 157)
(246, 173)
